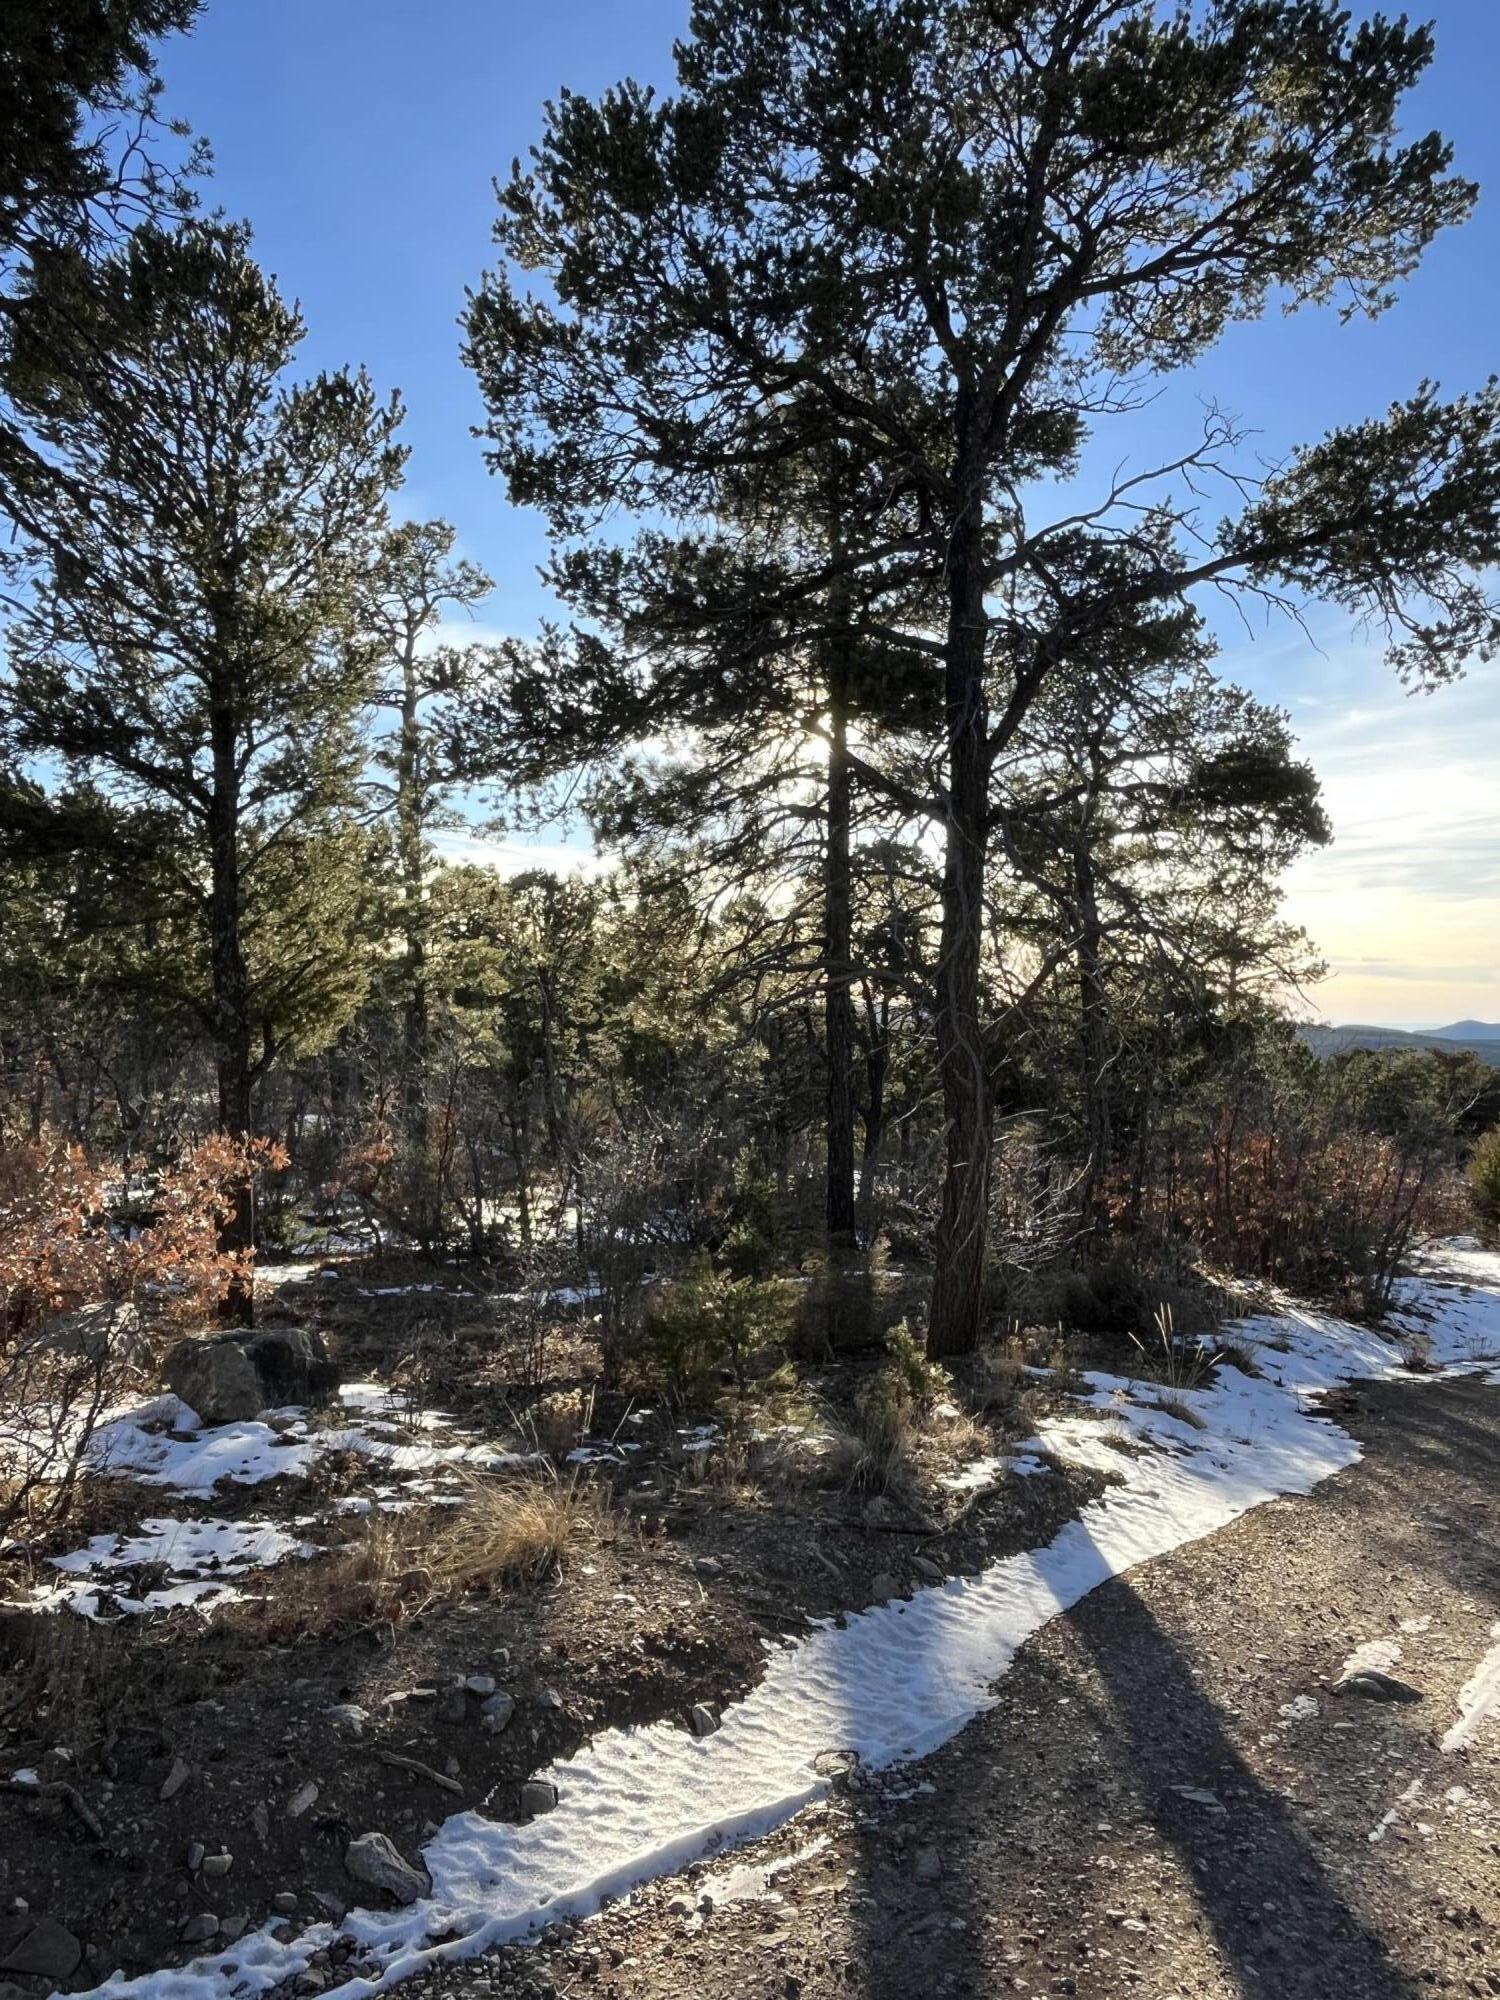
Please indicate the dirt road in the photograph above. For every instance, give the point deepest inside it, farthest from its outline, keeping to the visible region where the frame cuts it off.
(1166, 1799)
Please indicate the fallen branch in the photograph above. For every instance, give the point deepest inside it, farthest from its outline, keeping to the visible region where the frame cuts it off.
(418, 1769)
(56, 1788)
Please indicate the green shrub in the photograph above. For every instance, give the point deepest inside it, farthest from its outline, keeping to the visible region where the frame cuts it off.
(909, 1371)
(1484, 1176)
(707, 1320)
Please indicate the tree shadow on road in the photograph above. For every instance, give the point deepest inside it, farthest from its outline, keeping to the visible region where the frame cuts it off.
(1120, 1731)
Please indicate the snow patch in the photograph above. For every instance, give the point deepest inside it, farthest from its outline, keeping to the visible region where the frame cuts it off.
(1478, 1699)
(748, 1883)
(196, 1556)
(160, 1443)
(1373, 1656)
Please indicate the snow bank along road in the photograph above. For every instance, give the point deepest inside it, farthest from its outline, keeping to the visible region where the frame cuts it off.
(895, 1682)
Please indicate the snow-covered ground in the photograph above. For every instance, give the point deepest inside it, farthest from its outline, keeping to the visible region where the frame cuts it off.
(895, 1681)
(195, 1560)
(161, 1443)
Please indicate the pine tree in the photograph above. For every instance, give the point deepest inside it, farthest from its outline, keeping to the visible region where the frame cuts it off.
(946, 237)
(190, 643)
(80, 154)
(423, 686)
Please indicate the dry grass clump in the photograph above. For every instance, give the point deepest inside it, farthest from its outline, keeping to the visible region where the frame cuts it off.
(377, 1575)
(514, 1534)
(875, 1454)
(1173, 1405)
(394, 1565)
(557, 1421)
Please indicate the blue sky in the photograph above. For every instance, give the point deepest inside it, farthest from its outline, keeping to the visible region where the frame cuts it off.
(361, 137)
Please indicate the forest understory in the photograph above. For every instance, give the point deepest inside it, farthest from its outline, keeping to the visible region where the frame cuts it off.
(222, 1675)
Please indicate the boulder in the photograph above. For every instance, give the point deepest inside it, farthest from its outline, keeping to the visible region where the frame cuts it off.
(293, 1364)
(215, 1378)
(228, 1377)
(375, 1860)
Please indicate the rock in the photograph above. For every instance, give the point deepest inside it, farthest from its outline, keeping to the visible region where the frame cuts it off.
(680, 1906)
(284, 1902)
(293, 1365)
(108, 1331)
(497, 1711)
(375, 1860)
(216, 1865)
(229, 1377)
(260, 1819)
(232, 1929)
(303, 1800)
(175, 1779)
(348, 1715)
(1372, 1685)
(928, 1865)
(883, 1587)
(482, 1684)
(200, 1928)
(46, 1951)
(702, 1721)
(216, 1378)
(925, 1566)
(538, 1795)
(195, 1854)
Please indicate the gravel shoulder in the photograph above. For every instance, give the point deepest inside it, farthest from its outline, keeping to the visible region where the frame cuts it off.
(1167, 1798)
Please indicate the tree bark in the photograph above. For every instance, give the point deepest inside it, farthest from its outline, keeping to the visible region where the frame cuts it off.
(409, 841)
(954, 1321)
(838, 972)
(1093, 1001)
(235, 1061)
(877, 1067)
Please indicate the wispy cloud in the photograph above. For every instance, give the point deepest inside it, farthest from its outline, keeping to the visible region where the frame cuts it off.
(1403, 904)
(518, 857)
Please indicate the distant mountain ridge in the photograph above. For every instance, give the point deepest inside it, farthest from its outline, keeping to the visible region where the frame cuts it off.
(1479, 1038)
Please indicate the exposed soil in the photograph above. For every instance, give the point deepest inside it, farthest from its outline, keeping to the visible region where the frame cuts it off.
(1166, 1798)
(170, 1740)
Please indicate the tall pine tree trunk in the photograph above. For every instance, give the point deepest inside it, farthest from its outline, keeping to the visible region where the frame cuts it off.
(877, 1067)
(953, 1325)
(1093, 1003)
(231, 1001)
(409, 839)
(838, 971)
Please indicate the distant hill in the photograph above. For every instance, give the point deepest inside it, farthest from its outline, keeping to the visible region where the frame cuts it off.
(1477, 1038)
